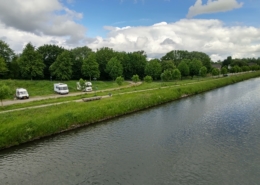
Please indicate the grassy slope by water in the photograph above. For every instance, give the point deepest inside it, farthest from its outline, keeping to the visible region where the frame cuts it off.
(22, 126)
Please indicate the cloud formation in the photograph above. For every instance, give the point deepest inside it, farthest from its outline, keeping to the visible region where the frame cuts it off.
(213, 6)
(209, 36)
(48, 17)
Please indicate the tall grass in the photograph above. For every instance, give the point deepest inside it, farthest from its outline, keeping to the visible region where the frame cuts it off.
(23, 126)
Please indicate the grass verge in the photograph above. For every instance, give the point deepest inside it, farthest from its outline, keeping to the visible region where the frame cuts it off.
(26, 125)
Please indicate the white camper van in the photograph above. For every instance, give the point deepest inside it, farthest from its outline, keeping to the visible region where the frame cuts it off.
(61, 88)
(88, 87)
(21, 93)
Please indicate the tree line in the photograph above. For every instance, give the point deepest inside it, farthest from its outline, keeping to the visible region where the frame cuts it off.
(53, 62)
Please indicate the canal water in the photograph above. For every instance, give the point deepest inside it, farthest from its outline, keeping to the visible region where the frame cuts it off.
(211, 138)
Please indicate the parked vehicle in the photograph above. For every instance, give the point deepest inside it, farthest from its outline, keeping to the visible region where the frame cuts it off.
(88, 87)
(61, 88)
(21, 93)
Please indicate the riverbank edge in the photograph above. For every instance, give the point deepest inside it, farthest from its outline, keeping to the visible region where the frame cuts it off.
(112, 107)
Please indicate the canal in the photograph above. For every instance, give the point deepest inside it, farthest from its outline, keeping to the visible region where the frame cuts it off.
(211, 138)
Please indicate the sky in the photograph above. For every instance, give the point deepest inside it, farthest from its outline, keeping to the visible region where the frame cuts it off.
(219, 28)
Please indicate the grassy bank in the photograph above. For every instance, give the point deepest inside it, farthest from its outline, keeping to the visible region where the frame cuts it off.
(22, 126)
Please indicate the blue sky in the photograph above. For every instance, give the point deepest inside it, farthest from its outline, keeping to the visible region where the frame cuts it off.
(219, 28)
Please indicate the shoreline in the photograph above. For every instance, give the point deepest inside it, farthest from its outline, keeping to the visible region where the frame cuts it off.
(57, 119)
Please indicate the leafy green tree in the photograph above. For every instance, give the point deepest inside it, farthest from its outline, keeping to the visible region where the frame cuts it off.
(245, 68)
(62, 67)
(3, 68)
(153, 69)
(78, 55)
(168, 64)
(184, 68)
(103, 55)
(4, 92)
(148, 79)
(166, 75)
(114, 68)
(49, 55)
(90, 67)
(224, 71)
(203, 71)
(227, 62)
(119, 80)
(135, 78)
(194, 67)
(31, 63)
(82, 84)
(215, 72)
(6, 52)
(176, 74)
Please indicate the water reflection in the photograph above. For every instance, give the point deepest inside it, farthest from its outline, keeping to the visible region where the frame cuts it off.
(211, 138)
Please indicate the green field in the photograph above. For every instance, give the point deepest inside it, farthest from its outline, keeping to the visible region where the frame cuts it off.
(30, 124)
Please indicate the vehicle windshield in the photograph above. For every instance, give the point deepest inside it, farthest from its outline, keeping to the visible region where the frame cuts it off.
(63, 88)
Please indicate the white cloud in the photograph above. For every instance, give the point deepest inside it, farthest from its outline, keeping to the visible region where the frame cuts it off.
(212, 6)
(209, 36)
(48, 17)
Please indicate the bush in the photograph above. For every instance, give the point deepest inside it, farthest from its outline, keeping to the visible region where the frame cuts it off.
(148, 79)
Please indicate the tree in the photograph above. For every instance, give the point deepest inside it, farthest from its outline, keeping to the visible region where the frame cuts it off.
(203, 71)
(166, 75)
(119, 80)
(4, 92)
(176, 74)
(135, 78)
(103, 55)
(31, 63)
(114, 68)
(184, 68)
(153, 68)
(49, 55)
(62, 67)
(215, 71)
(5, 52)
(168, 64)
(148, 79)
(82, 84)
(224, 71)
(194, 67)
(90, 67)
(3, 68)
(78, 55)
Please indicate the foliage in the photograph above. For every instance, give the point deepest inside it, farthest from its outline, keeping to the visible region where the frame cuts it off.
(166, 75)
(90, 67)
(184, 68)
(194, 67)
(153, 69)
(6, 52)
(135, 78)
(49, 55)
(224, 70)
(114, 68)
(82, 84)
(168, 64)
(176, 74)
(203, 71)
(4, 92)
(3, 67)
(62, 67)
(215, 71)
(119, 80)
(148, 79)
(31, 63)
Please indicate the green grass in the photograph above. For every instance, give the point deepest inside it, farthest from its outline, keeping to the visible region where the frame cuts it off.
(22, 126)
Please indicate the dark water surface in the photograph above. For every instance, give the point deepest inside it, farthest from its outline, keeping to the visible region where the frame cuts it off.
(211, 138)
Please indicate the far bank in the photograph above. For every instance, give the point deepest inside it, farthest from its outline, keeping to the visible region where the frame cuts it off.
(23, 126)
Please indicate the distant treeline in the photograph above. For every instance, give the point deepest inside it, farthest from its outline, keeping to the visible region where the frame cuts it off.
(53, 62)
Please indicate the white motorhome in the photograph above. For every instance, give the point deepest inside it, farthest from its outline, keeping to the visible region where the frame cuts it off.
(21, 93)
(88, 87)
(61, 88)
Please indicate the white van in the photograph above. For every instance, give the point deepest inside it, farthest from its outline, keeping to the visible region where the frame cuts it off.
(61, 88)
(88, 87)
(21, 93)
